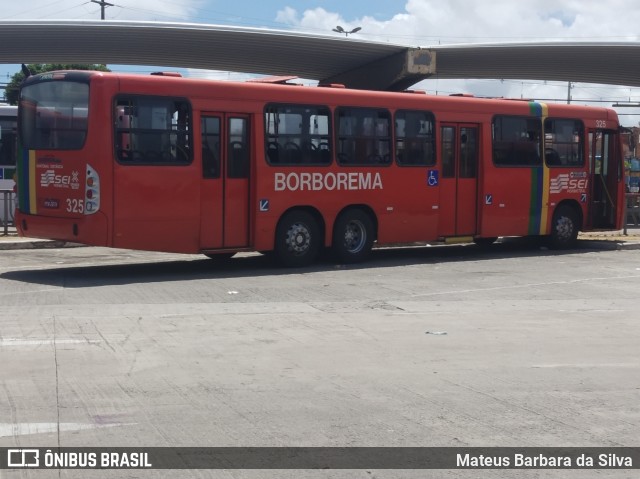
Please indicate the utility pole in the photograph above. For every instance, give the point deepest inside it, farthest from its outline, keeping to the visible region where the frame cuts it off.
(102, 4)
(569, 87)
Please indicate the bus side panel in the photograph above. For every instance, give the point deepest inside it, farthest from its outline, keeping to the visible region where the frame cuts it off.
(512, 201)
(157, 208)
(404, 205)
(408, 207)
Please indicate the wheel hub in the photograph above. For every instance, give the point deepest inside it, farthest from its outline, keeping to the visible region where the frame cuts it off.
(299, 238)
(564, 228)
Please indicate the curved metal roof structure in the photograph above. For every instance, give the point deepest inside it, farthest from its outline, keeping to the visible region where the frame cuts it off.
(329, 59)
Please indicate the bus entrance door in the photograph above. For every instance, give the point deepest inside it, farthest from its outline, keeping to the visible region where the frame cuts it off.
(606, 171)
(459, 180)
(225, 169)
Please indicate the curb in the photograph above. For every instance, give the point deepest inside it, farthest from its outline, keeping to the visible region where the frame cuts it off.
(607, 244)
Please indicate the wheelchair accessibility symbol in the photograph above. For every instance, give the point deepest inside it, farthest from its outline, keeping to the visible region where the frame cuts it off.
(432, 179)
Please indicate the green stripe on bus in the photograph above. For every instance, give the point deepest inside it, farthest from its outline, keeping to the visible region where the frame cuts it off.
(535, 204)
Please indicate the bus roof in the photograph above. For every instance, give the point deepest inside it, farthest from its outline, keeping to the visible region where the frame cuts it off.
(280, 90)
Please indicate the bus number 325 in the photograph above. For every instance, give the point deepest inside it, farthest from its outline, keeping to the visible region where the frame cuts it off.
(75, 206)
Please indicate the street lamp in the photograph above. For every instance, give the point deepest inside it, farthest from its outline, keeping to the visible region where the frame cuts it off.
(339, 29)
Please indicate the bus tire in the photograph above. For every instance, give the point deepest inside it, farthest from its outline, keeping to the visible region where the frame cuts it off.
(352, 236)
(297, 239)
(564, 228)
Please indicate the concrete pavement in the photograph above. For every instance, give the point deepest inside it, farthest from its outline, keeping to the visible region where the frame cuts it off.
(446, 346)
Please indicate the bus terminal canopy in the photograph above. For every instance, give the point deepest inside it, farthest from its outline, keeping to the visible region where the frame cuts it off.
(328, 59)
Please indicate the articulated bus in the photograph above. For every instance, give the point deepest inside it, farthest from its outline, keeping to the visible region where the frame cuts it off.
(172, 164)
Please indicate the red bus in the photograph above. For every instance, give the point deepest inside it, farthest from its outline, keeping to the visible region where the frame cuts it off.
(194, 166)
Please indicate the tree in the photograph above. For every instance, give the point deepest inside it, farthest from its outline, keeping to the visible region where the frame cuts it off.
(12, 91)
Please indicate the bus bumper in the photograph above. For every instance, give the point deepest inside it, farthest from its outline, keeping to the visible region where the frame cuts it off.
(91, 230)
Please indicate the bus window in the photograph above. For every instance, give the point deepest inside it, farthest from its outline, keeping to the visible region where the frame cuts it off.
(210, 127)
(7, 142)
(153, 130)
(297, 134)
(415, 145)
(563, 142)
(238, 148)
(448, 152)
(468, 152)
(517, 141)
(54, 115)
(364, 136)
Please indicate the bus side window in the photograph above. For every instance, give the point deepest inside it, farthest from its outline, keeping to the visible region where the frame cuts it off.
(238, 149)
(564, 142)
(210, 132)
(363, 136)
(415, 145)
(517, 141)
(153, 130)
(297, 134)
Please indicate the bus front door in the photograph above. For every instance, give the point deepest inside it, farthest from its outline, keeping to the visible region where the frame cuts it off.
(225, 189)
(459, 147)
(606, 173)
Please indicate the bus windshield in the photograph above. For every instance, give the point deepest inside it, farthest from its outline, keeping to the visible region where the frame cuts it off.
(53, 115)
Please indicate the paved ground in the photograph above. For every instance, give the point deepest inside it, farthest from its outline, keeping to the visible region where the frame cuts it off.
(442, 346)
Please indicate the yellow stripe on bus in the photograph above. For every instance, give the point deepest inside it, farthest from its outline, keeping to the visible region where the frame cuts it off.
(544, 212)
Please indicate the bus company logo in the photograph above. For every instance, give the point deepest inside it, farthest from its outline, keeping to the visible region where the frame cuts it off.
(50, 178)
(569, 183)
(327, 181)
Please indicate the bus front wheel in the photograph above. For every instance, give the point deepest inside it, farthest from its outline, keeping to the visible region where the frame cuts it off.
(352, 236)
(564, 228)
(297, 239)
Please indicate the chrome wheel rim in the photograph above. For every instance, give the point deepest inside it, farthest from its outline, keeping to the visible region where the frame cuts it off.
(355, 236)
(298, 238)
(564, 228)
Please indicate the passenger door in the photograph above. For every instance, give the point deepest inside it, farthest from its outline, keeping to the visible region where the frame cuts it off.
(606, 174)
(226, 170)
(459, 147)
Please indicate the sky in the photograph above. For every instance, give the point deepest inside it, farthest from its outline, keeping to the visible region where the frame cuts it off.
(408, 22)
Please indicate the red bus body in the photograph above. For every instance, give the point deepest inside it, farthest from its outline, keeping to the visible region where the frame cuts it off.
(482, 168)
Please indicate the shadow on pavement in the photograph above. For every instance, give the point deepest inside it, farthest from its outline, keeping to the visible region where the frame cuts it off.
(261, 265)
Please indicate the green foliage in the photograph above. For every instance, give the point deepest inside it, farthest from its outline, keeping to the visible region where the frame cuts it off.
(12, 92)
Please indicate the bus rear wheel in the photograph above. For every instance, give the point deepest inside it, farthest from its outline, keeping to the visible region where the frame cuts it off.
(353, 236)
(564, 228)
(297, 239)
